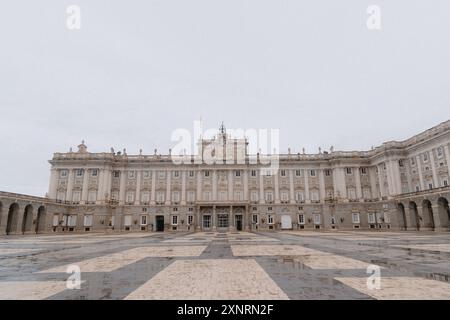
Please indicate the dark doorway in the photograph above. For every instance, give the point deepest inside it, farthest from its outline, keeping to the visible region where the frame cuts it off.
(13, 218)
(159, 223)
(239, 223)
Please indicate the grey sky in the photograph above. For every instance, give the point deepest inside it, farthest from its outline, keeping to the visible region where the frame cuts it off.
(137, 70)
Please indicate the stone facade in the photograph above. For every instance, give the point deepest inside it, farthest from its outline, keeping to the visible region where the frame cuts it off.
(398, 185)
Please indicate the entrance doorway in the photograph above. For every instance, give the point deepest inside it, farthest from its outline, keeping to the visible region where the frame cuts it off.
(222, 221)
(206, 221)
(159, 223)
(238, 219)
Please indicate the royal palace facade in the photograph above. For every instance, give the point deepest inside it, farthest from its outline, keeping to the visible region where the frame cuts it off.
(401, 185)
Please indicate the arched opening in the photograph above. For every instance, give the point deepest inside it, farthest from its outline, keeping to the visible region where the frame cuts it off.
(40, 222)
(414, 215)
(427, 214)
(13, 218)
(27, 221)
(402, 216)
(444, 212)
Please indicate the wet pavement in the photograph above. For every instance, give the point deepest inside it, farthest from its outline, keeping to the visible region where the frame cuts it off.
(231, 265)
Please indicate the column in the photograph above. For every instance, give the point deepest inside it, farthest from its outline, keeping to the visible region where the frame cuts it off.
(447, 157)
(246, 185)
(153, 191)
(306, 179)
(419, 170)
(261, 187)
(199, 185)
(231, 220)
(101, 184)
(437, 219)
(322, 186)
(183, 187)
(380, 182)
(408, 176)
(277, 185)
(359, 194)
(433, 170)
(339, 186)
(373, 183)
(123, 177)
(230, 185)
(69, 185)
(168, 187)
(291, 186)
(214, 218)
(214, 185)
(84, 191)
(395, 177)
(107, 188)
(137, 199)
(53, 184)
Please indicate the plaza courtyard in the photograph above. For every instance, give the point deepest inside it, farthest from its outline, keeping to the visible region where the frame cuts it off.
(231, 265)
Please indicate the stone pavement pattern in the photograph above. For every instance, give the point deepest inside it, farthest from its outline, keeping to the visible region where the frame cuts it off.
(232, 265)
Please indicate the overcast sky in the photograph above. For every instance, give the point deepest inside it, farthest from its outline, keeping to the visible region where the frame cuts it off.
(137, 70)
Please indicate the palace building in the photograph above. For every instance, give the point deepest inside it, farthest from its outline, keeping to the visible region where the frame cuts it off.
(401, 185)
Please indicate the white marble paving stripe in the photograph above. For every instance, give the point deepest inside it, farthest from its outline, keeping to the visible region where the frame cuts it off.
(120, 259)
(401, 288)
(7, 251)
(216, 279)
(272, 250)
(441, 247)
(30, 290)
(332, 261)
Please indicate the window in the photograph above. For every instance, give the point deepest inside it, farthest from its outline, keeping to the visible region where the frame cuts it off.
(206, 173)
(190, 219)
(174, 220)
(191, 196)
(238, 196)
(175, 196)
(425, 157)
(92, 196)
(268, 173)
(314, 196)
(223, 195)
(63, 173)
(131, 174)
(76, 196)
(191, 209)
(255, 219)
(312, 173)
(143, 220)
(351, 194)
(283, 173)
(417, 188)
(430, 185)
(191, 173)
(298, 173)
(145, 197)
(269, 196)
(160, 197)
(387, 217)
(363, 170)
(176, 174)
(161, 174)
(127, 221)
(366, 193)
(355, 218)
(94, 172)
(55, 220)
(130, 197)
(237, 173)
(301, 219)
(61, 196)
(88, 220)
(206, 221)
(299, 196)
(413, 161)
(254, 196)
(284, 196)
(269, 219)
(348, 170)
(116, 174)
(445, 183)
(269, 208)
(253, 173)
(79, 172)
(146, 174)
(333, 220)
(317, 218)
(328, 172)
(440, 152)
(206, 196)
(371, 217)
(72, 221)
(400, 163)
